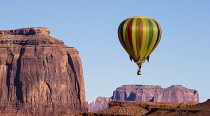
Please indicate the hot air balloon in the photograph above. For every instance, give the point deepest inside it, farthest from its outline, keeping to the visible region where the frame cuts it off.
(139, 36)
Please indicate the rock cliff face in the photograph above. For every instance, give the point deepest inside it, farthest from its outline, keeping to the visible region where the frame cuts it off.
(148, 93)
(39, 75)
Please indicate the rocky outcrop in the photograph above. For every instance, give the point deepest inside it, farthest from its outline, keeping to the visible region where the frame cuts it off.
(39, 75)
(26, 31)
(99, 104)
(136, 108)
(205, 105)
(149, 93)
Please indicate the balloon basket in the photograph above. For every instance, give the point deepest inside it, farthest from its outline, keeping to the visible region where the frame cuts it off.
(139, 73)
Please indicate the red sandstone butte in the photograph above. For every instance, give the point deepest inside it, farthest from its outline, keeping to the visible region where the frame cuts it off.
(147, 93)
(39, 74)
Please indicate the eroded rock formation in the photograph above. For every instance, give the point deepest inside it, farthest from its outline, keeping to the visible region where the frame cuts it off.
(148, 93)
(39, 75)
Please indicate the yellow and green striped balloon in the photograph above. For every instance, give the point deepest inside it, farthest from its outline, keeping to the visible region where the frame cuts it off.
(139, 36)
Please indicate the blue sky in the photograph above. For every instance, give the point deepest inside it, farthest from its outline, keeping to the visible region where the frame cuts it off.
(182, 57)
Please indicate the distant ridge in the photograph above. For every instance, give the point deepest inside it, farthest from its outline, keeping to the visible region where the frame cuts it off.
(148, 93)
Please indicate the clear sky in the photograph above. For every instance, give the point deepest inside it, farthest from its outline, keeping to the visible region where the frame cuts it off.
(182, 57)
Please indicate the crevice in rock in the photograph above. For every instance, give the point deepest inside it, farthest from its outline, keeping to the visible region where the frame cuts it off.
(9, 68)
(50, 96)
(0, 93)
(78, 92)
(77, 87)
(125, 95)
(17, 82)
(195, 92)
(49, 88)
(152, 100)
(132, 97)
(70, 61)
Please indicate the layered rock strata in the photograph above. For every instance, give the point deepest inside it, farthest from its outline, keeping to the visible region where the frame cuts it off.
(39, 74)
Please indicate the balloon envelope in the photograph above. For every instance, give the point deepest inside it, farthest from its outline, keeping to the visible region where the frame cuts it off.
(139, 36)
